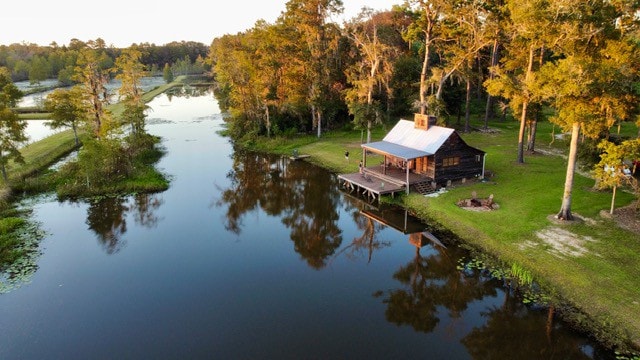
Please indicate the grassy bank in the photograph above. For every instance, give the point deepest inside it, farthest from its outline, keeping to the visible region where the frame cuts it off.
(592, 264)
(15, 239)
(40, 155)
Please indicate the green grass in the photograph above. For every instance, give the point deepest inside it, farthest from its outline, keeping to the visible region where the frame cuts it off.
(603, 285)
(41, 154)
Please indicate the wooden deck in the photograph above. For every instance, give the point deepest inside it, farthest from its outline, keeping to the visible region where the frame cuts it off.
(373, 183)
(369, 185)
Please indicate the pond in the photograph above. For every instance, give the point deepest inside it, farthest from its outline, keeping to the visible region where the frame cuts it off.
(37, 99)
(255, 256)
(37, 130)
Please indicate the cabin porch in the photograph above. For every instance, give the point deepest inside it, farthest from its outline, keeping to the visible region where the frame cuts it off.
(375, 181)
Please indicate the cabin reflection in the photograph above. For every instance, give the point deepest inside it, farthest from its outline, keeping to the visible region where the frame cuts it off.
(402, 221)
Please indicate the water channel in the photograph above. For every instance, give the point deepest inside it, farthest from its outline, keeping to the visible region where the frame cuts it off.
(254, 256)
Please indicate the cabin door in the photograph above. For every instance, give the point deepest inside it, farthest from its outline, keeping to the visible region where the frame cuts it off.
(421, 165)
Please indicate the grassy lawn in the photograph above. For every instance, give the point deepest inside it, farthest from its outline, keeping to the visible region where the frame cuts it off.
(593, 264)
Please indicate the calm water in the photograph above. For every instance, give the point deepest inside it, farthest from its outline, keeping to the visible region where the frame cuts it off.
(37, 99)
(252, 256)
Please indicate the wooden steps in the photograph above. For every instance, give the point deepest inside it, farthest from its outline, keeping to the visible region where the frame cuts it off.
(423, 187)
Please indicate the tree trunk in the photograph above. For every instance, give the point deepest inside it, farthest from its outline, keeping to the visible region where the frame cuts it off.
(521, 133)
(531, 143)
(75, 134)
(525, 104)
(565, 210)
(369, 125)
(4, 170)
(319, 118)
(268, 120)
(467, 111)
(613, 200)
(488, 112)
(423, 77)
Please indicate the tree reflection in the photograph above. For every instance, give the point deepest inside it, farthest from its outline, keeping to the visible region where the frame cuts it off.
(187, 91)
(296, 191)
(515, 331)
(144, 209)
(367, 242)
(107, 217)
(430, 282)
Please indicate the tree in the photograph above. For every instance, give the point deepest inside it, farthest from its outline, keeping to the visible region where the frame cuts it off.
(131, 70)
(67, 109)
(310, 17)
(167, 74)
(39, 69)
(426, 24)
(367, 73)
(532, 25)
(593, 84)
(11, 126)
(495, 19)
(94, 77)
(611, 171)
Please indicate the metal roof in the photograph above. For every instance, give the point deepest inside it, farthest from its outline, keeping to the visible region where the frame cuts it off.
(396, 150)
(407, 142)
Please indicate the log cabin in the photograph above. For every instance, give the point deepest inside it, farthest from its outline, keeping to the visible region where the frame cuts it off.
(417, 154)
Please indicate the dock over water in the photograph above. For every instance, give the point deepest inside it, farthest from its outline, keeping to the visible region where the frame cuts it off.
(370, 185)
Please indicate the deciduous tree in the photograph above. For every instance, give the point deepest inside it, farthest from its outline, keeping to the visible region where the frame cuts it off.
(130, 71)
(368, 72)
(11, 126)
(320, 39)
(94, 77)
(67, 108)
(593, 83)
(533, 28)
(612, 171)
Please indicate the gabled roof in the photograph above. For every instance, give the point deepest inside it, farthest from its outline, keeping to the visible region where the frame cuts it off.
(407, 142)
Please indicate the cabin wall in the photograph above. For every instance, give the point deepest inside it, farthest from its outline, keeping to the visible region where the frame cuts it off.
(456, 160)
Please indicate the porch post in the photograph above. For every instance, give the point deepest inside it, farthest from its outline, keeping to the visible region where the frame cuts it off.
(384, 164)
(407, 166)
(484, 161)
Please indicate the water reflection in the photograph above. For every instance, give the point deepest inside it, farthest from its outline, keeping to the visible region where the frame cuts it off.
(513, 330)
(295, 191)
(368, 241)
(107, 217)
(430, 282)
(188, 91)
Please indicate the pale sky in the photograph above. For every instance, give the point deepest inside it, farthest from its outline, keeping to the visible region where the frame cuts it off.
(123, 22)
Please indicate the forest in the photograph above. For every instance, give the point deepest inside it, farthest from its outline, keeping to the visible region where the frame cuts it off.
(574, 63)
(38, 63)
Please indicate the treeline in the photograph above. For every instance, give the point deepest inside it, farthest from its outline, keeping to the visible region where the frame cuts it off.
(573, 62)
(38, 63)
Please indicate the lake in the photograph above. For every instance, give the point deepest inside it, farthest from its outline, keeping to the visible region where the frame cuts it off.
(254, 256)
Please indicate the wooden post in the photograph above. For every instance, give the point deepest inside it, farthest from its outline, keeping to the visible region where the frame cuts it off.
(407, 166)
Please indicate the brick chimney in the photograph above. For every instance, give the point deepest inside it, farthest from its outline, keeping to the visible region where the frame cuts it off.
(422, 121)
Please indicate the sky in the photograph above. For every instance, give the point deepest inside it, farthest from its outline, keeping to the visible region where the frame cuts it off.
(123, 22)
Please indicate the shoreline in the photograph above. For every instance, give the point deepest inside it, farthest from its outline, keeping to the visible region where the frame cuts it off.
(583, 282)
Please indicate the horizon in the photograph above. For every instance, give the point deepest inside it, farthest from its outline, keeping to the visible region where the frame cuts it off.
(65, 20)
